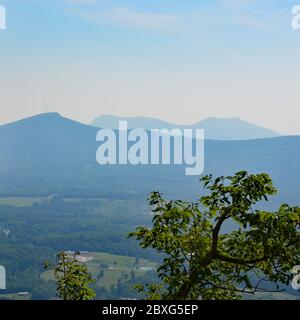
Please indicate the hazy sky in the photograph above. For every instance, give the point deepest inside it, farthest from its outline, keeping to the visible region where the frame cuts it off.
(179, 60)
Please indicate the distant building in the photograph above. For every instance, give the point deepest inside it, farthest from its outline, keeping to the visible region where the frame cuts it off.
(2, 278)
(25, 293)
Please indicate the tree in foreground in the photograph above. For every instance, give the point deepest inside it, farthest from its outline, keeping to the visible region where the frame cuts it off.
(202, 260)
(72, 278)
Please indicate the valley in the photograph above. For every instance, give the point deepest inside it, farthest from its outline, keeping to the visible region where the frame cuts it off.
(55, 197)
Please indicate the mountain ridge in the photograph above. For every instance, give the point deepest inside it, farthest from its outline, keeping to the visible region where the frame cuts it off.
(215, 128)
(50, 154)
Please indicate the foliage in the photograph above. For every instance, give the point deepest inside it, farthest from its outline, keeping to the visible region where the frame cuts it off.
(72, 278)
(202, 261)
(38, 233)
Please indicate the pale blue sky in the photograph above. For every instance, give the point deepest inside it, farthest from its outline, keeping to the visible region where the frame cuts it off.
(177, 60)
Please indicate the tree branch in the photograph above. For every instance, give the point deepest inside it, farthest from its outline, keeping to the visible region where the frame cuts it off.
(238, 261)
(215, 239)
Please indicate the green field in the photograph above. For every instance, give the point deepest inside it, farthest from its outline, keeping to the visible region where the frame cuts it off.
(18, 202)
(270, 296)
(15, 296)
(29, 201)
(114, 267)
(22, 201)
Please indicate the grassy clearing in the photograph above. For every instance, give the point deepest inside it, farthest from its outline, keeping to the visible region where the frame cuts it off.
(270, 296)
(22, 201)
(114, 267)
(15, 296)
(18, 202)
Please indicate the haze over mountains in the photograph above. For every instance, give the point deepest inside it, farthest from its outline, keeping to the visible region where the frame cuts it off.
(50, 154)
(215, 128)
(92, 207)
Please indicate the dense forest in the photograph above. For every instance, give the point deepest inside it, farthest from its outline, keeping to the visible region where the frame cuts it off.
(31, 235)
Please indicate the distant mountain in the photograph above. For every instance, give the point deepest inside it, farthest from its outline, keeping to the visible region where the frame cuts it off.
(50, 154)
(215, 128)
(233, 129)
(45, 138)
